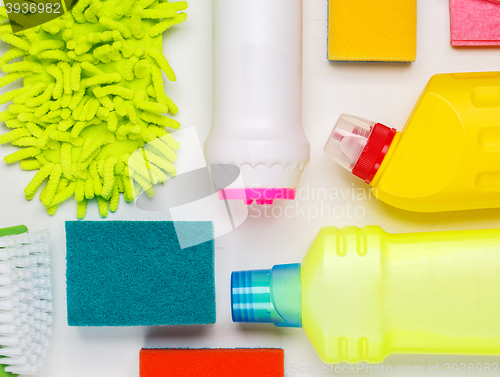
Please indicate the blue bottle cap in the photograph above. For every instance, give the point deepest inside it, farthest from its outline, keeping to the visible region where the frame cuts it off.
(268, 296)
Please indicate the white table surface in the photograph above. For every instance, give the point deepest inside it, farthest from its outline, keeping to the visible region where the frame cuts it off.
(381, 92)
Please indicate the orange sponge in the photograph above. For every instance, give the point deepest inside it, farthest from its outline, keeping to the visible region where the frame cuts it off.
(372, 30)
(262, 362)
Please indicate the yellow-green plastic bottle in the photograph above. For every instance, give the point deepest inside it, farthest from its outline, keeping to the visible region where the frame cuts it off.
(362, 294)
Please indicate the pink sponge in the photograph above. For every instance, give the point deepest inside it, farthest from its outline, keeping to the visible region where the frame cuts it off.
(475, 22)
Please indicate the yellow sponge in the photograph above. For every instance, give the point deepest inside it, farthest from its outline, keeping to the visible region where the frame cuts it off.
(372, 30)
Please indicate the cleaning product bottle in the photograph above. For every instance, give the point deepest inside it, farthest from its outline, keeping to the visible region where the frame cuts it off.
(257, 112)
(362, 294)
(446, 158)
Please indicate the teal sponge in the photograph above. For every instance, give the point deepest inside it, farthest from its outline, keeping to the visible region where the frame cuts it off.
(122, 273)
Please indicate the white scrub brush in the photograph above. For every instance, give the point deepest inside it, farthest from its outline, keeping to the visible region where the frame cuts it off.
(25, 301)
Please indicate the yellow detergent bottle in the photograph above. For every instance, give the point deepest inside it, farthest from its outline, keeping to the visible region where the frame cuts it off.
(446, 158)
(362, 294)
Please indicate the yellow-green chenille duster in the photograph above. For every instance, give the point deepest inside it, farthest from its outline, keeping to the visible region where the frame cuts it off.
(93, 97)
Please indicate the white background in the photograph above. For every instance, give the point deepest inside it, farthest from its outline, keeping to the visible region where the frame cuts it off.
(381, 92)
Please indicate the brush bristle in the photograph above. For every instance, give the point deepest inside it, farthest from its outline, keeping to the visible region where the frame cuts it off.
(25, 302)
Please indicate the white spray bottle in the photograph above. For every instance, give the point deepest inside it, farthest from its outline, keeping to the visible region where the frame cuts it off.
(257, 116)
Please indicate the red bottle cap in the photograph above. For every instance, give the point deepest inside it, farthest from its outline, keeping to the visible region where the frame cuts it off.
(374, 152)
(360, 145)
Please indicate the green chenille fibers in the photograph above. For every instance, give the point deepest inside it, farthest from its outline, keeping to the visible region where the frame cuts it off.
(89, 118)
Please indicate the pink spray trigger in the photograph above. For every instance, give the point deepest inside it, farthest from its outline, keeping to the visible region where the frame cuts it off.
(262, 196)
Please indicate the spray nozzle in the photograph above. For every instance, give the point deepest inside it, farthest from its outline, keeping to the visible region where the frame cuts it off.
(359, 145)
